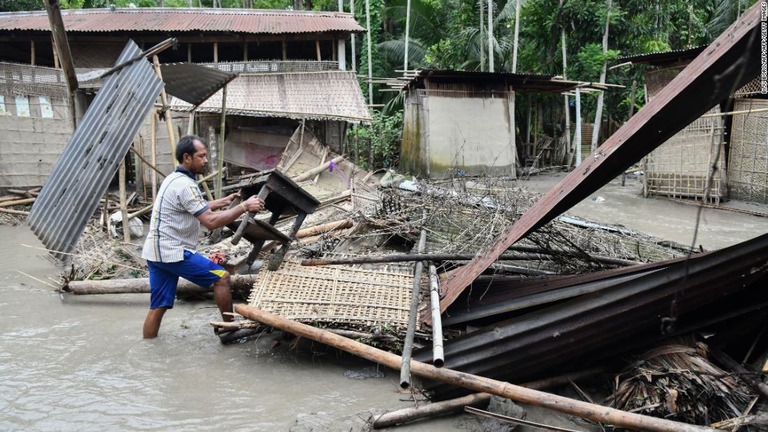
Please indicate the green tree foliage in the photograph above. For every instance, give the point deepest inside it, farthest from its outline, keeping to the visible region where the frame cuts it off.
(20, 5)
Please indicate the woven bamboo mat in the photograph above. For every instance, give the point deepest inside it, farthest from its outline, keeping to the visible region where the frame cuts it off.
(352, 296)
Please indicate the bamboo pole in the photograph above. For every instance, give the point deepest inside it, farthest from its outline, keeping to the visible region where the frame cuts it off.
(405, 368)
(324, 228)
(141, 286)
(17, 202)
(15, 212)
(318, 169)
(124, 204)
(222, 137)
(168, 117)
(438, 358)
(147, 163)
(558, 403)
(153, 149)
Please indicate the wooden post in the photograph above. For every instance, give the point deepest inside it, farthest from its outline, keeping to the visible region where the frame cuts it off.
(222, 140)
(64, 54)
(370, 61)
(598, 413)
(317, 50)
(153, 149)
(438, 358)
(405, 368)
(168, 117)
(577, 133)
(124, 204)
(32, 52)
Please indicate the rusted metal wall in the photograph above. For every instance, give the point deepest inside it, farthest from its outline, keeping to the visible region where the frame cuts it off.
(89, 162)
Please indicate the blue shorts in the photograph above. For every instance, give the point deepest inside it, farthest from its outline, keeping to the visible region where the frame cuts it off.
(164, 277)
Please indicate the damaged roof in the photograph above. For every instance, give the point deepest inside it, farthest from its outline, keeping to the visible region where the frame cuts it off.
(518, 82)
(248, 21)
(323, 95)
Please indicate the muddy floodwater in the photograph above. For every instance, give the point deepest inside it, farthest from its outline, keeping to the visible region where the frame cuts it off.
(74, 363)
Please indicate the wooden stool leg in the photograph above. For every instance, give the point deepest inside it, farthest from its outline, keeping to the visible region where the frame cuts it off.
(277, 257)
(249, 217)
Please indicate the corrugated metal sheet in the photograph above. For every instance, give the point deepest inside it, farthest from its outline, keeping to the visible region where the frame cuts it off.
(610, 321)
(89, 162)
(248, 21)
(193, 83)
(326, 95)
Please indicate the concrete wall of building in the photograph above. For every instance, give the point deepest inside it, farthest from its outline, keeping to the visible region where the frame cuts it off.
(34, 131)
(469, 136)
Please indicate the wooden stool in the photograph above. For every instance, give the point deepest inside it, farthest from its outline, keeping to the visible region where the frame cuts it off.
(281, 196)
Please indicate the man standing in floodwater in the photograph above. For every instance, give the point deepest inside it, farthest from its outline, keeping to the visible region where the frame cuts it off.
(169, 249)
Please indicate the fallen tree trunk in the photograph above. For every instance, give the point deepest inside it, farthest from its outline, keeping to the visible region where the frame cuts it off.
(141, 285)
(585, 410)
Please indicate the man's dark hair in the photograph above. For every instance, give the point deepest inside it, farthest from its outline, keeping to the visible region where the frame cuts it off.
(186, 145)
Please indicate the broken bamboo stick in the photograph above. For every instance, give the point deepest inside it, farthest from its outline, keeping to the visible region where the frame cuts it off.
(558, 403)
(17, 202)
(438, 358)
(124, 204)
(147, 163)
(141, 285)
(12, 211)
(430, 410)
(324, 228)
(475, 399)
(405, 367)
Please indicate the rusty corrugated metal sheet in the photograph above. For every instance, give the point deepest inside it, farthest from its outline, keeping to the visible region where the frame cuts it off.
(82, 174)
(248, 21)
(732, 60)
(608, 322)
(325, 95)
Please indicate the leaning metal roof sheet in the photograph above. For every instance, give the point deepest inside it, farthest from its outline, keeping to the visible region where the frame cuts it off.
(82, 174)
(248, 21)
(193, 83)
(325, 95)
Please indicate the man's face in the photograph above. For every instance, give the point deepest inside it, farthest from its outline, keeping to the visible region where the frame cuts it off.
(198, 163)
